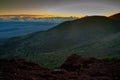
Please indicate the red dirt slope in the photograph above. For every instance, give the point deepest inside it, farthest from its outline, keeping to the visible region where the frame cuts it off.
(74, 68)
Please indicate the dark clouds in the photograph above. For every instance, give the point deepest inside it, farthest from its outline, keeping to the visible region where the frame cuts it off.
(59, 6)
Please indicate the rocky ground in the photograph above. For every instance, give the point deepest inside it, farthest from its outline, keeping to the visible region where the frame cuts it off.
(74, 68)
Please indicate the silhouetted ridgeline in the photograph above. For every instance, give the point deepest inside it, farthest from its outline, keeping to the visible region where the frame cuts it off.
(116, 16)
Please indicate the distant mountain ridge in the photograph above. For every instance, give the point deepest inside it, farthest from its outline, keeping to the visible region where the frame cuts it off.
(96, 36)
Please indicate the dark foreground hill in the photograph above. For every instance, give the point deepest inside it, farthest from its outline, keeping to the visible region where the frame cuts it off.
(74, 68)
(96, 36)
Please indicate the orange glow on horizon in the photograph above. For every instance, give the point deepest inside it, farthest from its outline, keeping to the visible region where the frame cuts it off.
(49, 15)
(42, 16)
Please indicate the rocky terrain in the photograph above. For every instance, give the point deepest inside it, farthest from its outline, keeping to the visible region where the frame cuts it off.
(75, 67)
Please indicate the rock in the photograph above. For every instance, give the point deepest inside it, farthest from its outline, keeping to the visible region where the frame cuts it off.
(74, 68)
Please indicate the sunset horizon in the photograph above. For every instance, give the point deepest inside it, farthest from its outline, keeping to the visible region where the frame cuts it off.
(55, 15)
(59, 39)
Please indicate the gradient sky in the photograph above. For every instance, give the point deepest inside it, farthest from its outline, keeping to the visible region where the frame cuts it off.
(59, 7)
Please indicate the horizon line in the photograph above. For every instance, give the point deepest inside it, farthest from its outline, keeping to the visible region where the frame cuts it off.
(55, 15)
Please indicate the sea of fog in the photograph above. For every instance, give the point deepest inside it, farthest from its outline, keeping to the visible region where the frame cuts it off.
(14, 29)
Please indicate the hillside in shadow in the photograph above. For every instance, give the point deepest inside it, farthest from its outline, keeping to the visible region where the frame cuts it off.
(91, 36)
(116, 16)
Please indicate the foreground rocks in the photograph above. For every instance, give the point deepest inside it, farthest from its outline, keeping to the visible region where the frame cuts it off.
(74, 68)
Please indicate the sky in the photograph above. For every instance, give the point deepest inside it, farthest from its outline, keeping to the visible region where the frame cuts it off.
(59, 7)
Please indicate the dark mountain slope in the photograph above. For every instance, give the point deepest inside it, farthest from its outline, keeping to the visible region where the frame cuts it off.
(91, 36)
(116, 16)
